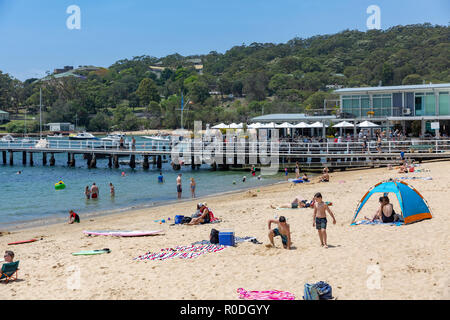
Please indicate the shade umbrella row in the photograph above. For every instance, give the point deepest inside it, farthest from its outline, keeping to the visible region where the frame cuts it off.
(300, 125)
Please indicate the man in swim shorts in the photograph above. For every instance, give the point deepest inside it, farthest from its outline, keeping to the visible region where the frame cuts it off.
(320, 218)
(283, 230)
(94, 191)
(179, 189)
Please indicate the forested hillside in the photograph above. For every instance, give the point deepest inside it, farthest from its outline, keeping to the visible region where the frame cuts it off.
(241, 83)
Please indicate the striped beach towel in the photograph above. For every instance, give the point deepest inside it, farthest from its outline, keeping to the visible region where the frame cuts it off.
(368, 222)
(182, 252)
(265, 295)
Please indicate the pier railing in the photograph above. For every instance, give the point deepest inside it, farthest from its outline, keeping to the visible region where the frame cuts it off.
(284, 148)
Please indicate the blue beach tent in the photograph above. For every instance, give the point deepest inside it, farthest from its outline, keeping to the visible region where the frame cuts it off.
(412, 204)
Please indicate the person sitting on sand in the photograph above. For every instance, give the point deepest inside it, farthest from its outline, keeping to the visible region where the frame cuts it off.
(305, 178)
(385, 213)
(9, 256)
(73, 217)
(403, 169)
(297, 202)
(320, 218)
(204, 215)
(283, 230)
(325, 176)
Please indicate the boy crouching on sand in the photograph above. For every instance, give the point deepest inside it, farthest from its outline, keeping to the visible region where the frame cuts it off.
(320, 218)
(283, 231)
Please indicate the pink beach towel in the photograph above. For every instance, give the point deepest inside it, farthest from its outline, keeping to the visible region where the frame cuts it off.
(265, 295)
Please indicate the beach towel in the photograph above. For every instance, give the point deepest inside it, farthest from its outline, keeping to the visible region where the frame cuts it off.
(415, 178)
(376, 222)
(265, 295)
(182, 252)
(236, 240)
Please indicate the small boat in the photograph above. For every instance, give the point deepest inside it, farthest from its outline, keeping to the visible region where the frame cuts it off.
(158, 138)
(55, 136)
(113, 137)
(7, 138)
(82, 136)
(42, 143)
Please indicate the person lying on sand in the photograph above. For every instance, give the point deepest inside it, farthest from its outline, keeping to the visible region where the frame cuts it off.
(296, 203)
(283, 231)
(204, 215)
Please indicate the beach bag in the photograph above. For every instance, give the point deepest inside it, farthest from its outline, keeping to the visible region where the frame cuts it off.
(324, 290)
(214, 236)
(186, 220)
(310, 292)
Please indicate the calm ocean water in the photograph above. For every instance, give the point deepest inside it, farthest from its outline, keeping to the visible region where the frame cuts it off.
(31, 195)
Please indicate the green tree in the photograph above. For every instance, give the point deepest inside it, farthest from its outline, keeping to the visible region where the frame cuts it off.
(147, 91)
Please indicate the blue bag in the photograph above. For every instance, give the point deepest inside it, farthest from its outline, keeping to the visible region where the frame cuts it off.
(310, 292)
(324, 290)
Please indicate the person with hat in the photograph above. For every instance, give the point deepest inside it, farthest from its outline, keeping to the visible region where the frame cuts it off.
(204, 216)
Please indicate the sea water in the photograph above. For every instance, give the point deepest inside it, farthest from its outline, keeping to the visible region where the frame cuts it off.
(31, 195)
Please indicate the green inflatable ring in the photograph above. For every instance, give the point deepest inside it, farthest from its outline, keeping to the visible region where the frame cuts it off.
(60, 185)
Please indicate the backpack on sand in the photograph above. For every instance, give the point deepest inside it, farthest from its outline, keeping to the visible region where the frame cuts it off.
(214, 236)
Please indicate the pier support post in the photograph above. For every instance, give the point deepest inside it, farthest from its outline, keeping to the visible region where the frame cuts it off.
(154, 160)
(11, 158)
(72, 160)
(132, 161)
(159, 163)
(116, 161)
(94, 161)
(145, 164)
(4, 157)
(44, 158)
(193, 163)
(214, 166)
(110, 162)
(88, 160)
(52, 160)
(68, 159)
(24, 157)
(31, 159)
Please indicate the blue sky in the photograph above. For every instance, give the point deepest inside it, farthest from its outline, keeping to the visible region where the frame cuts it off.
(34, 37)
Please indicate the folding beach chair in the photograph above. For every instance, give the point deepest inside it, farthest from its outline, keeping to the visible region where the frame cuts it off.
(9, 271)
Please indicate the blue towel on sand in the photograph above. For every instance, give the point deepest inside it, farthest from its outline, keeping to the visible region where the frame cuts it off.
(368, 222)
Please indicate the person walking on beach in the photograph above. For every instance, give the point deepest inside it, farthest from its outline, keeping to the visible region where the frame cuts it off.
(111, 188)
(286, 173)
(179, 189)
(87, 192)
(320, 218)
(193, 187)
(297, 171)
(283, 230)
(94, 191)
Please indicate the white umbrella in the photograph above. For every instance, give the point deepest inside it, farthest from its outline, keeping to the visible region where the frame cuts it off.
(221, 126)
(301, 125)
(234, 126)
(344, 124)
(254, 125)
(367, 124)
(284, 125)
(271, 125)
(317, 124)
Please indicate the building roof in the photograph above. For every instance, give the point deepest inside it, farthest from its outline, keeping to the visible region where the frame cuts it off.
(290, 117)
(394, 88)
(1, 111)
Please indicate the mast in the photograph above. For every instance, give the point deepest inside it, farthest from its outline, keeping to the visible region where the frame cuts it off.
(40, 113)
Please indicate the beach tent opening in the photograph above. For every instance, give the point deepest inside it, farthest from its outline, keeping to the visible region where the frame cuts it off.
(412, 204)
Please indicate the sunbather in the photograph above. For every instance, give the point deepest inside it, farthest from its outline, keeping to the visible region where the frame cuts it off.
(296, 203)
(385, 212)
(204, 215)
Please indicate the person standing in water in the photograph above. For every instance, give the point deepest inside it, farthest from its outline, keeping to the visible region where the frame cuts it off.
(179, 189)
(94, 191)
(87, 192)
(193, 184)
(160, 178)
(111, 187)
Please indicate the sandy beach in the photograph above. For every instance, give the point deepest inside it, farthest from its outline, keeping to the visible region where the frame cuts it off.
(362, 262)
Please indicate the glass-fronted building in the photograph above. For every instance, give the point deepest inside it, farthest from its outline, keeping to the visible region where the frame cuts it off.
(398, 104)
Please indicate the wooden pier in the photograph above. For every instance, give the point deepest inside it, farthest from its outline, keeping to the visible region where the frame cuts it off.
(310, 156)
